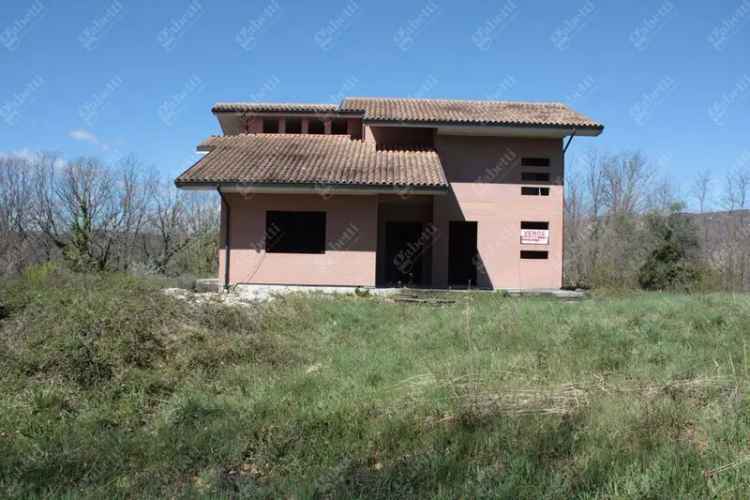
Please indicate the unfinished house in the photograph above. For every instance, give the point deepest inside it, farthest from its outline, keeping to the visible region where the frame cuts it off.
(383, 192)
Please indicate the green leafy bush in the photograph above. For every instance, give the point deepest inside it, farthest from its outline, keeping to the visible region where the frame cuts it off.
(672, 264)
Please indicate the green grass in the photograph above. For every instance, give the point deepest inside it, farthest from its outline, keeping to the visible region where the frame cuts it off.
(110, 389)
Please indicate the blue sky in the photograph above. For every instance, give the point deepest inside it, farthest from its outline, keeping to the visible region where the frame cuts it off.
(671, 79)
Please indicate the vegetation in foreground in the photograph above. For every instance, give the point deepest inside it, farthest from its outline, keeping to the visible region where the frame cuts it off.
(111, 389)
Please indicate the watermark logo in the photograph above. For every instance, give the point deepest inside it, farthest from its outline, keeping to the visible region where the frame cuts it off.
(94, 32)
(502, 169)
(563, 35)
(248, 36)
(488, 31)
(502, 90)
(347, 86)
(272, 236)
(324, 189)
(12, 34)
(89, 111)
(581, 90)
(426, 87)
(410, 255)
(651, 25)
(267, 89)
(642, 111)
(170, 34)
(719, 110)
(171, 107)
(11, 108)
(331, 31)
(407, 33)
(729, 26)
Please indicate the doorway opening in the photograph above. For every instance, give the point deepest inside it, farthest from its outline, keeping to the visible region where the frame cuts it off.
(462, 254)
(405, 251)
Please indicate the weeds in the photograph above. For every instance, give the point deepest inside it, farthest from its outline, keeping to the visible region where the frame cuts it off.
(112, 389)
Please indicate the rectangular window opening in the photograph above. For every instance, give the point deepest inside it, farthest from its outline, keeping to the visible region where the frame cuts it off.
(534, 225)
(534, 191)
(316, 127)
(534, 255)
(270, 126)
(295, 232)
(338, 127)
(293, 126)
(534, 177)
(535, 162)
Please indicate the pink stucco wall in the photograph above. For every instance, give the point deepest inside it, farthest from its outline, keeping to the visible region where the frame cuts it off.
(351, 241)
(485, 178)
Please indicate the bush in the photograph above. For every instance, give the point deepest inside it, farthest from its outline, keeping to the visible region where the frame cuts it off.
(90, 328)
(671, 265)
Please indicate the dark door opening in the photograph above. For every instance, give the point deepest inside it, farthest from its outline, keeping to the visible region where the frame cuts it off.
(462, 253)
(404, 251)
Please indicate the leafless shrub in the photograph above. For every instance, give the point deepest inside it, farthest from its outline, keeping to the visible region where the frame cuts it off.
(100, 217)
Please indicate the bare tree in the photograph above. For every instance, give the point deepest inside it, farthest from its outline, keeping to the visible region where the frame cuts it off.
(701, 189)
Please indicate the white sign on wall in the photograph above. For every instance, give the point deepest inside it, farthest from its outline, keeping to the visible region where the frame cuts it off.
(535, 236)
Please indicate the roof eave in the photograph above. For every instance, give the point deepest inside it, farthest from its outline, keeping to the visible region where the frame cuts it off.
(443, 123)
(304, 188)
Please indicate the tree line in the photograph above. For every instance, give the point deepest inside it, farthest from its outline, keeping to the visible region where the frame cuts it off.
(96, 217)
(624, 226)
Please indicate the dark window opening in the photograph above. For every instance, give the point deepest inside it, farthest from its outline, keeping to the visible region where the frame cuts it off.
(534, 191)
(270, 126)
(338, 127)
(535, 162)
(295, 232)
(293, 126)
(534, 225)
(534, 254)
(316, 127)
(534, 177)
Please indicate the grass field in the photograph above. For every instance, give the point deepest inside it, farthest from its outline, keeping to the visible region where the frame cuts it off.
(111, 389)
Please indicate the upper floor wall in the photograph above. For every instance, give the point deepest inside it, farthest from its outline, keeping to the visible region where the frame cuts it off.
(290, 123)
(533, 162)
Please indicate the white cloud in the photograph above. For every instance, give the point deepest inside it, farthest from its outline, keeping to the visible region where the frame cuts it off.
(83, 135)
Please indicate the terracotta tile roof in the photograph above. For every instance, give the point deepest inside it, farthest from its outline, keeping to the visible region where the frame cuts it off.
(458, 111)
(261, 107)
(311, 159)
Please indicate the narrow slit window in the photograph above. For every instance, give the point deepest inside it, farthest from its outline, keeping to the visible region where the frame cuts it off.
(534, 225)
(534, 177)
(270, 126)
(534, 191)
(535, 162)
(295, 232)
(534, 255)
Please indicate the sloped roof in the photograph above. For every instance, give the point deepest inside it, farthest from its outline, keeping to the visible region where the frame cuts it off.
(433, 111)
(272, 107)
(310, 159)
(467, 112)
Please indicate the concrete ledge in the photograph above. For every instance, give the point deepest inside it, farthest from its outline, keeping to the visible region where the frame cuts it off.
(207, 285)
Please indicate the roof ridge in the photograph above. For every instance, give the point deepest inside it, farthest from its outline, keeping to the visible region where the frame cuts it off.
(274, 103)
(448, 100)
